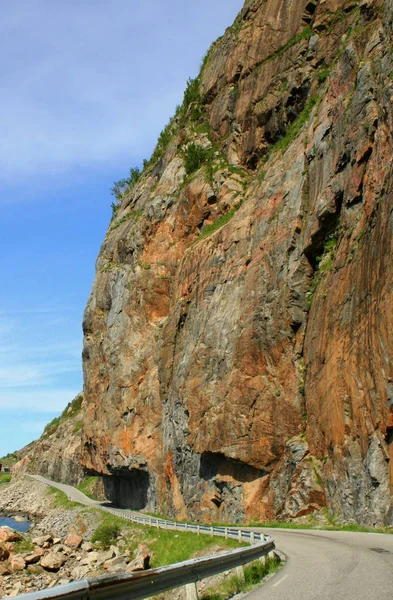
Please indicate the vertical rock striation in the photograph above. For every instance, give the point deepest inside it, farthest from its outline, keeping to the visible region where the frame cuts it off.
(237, 358)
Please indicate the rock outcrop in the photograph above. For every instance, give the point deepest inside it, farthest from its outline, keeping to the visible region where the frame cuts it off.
(237, 357)
(57, 453)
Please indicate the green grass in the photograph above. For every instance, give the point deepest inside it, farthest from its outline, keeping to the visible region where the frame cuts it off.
(293, 129)
(24, 546)
(195, 156)
(324, 264)
(220, 222)
(106, 534)
(253, 574)
(9, 460)
(70, 411)
(167, 547)
(87, 486)
(5, 477)
(134, 214)
(60, 499)
(331, 526)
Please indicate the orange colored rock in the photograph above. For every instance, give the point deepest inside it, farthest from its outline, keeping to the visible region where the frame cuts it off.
(17, 562)
(237, 348)
(74, 541)
(9, 535)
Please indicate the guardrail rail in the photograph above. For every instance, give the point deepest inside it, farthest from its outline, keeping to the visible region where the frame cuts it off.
(144, 584)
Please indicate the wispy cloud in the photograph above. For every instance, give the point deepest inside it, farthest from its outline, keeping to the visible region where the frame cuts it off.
(39, 360)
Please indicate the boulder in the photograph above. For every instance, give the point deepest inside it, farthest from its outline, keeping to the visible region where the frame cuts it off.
(17, 562)
(91, 558)
(9, 535)
(42, 541)
(113, 562)
(74, 541)
(53, 561)
(87, 547)
(4, 570)
(4, 552)
(79, 572)
(119, 568)
(141, 561)
(32, 557)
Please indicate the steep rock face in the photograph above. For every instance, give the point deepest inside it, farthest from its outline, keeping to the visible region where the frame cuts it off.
(57, 453)
(243, 370)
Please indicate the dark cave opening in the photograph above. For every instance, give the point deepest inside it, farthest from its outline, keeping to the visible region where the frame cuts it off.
(214, 464)
(127, 488)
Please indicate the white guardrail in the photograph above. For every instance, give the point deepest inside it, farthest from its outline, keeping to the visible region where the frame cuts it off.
(144, 584)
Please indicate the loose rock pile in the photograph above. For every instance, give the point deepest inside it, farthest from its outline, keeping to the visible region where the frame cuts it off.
(44, 561)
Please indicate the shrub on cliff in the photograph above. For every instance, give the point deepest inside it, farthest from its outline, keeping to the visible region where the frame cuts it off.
(106, 534)
(122, 186)
(194, 157)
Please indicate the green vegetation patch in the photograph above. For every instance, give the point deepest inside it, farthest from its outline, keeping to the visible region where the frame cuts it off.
(195, 156)
(24, 546)
(324, 264)
(220, 222)
(253, 574)
(60, 499)
(132, 215)
(88, 485)
(9, 459)
(331, 525)
(122, 186)
(70, 411)
(293, 129)
(5, 477)
(106, 534)
(166, 547)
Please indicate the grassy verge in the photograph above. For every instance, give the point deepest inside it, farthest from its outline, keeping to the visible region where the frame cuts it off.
(252, 575)
(166, 547)
(60, 500)
(87, 486)
(332, 526)
(5, 477)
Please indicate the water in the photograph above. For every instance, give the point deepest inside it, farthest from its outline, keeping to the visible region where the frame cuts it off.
(22, 526)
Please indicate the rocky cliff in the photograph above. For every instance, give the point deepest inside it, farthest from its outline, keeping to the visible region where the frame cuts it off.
(57, 453)
(237, 358)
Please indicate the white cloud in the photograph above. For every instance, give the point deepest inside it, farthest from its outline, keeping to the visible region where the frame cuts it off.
(90, 82)
(40, 360)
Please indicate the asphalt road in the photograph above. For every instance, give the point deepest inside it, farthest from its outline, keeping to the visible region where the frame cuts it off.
(327, 565)
(321, 565)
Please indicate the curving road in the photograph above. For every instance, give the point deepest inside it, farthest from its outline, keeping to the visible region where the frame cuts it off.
(321, 565)
(327, 565)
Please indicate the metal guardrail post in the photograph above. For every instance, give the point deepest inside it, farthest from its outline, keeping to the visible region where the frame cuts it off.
(239, 535)
(198, 530)
(191, 591)
(226, 533)
(212, 531)
(252, 537)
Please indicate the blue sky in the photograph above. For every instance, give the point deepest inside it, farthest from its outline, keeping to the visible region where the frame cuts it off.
(86, 88)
